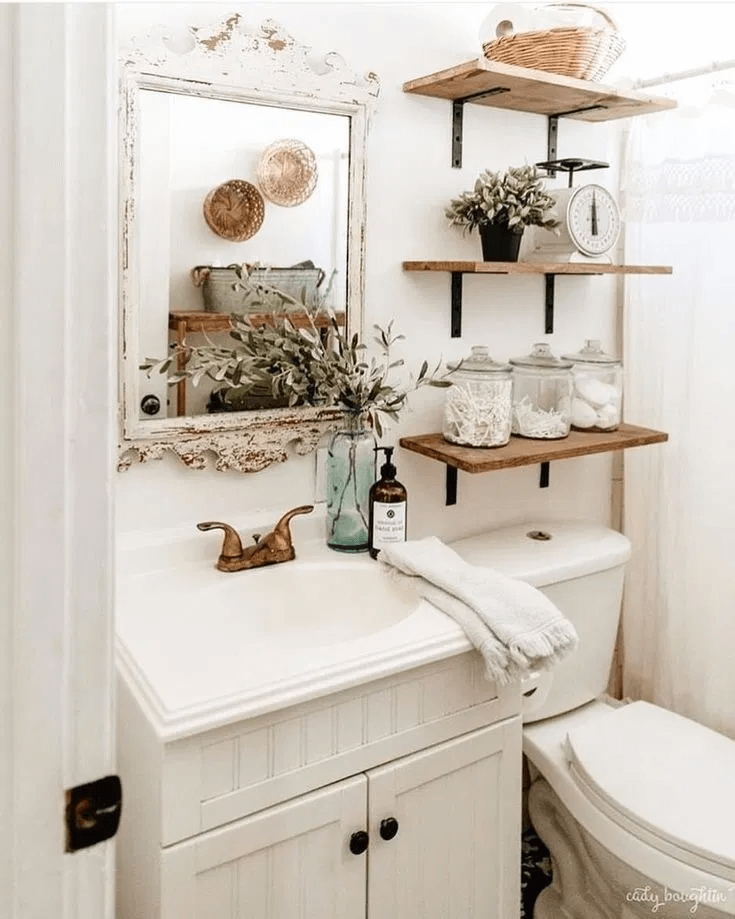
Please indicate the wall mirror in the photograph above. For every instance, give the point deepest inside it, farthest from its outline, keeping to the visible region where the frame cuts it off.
(238, 148)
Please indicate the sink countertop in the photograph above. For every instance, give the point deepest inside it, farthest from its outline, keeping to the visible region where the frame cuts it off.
(196, 663)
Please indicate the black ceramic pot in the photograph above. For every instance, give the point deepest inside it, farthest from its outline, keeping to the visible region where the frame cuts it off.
(499, 244)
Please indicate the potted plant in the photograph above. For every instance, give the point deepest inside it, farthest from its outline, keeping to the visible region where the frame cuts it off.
(500, 207)
(296, 359)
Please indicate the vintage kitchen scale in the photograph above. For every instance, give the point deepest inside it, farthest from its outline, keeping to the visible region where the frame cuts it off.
(589, 216)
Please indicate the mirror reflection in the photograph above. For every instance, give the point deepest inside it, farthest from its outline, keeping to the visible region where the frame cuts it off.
(224, 182)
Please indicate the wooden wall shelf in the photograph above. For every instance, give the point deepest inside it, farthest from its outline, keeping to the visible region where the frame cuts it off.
(505, 86)
(522, 451)
(549, 269)
(489, 83)
(465, 267)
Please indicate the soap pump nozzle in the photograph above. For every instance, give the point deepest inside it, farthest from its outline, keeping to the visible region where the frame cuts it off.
(387, 470)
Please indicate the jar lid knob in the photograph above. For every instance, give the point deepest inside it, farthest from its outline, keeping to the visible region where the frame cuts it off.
(480, 353)
(479, 360)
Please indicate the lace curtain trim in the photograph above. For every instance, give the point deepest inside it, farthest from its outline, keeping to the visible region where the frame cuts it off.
(679, 190)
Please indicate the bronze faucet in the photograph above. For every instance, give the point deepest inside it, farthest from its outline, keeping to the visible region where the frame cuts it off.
(268, 550)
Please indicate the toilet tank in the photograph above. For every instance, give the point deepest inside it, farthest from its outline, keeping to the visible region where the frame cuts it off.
(580, 569)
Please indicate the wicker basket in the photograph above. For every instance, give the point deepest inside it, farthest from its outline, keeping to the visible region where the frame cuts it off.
(234, 210)
(287, 172)
(583, 52)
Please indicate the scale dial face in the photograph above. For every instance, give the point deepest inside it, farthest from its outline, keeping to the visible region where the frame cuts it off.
(593, 219)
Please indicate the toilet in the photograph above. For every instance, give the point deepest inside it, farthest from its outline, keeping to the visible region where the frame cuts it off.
(635, 803)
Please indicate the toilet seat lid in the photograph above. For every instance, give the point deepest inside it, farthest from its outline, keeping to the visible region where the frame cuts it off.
(663, 777)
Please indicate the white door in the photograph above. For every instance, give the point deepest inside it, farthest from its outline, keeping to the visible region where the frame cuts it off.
(456, 849)
(292, 861)
(57, 439)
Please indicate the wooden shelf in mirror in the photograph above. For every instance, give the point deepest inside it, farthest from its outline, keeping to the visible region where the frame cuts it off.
(505, 86)
(184, 321)
(208, 321)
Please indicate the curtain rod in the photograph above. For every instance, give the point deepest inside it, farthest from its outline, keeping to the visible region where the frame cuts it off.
(714, 67)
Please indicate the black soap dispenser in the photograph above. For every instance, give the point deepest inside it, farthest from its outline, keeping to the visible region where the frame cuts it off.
(388, 506)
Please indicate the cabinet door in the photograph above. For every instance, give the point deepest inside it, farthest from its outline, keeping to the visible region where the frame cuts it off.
(456, 854)
(288, 862)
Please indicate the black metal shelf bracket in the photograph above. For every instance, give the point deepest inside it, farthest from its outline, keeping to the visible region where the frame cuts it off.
(456, 304)
(552, 136)
(549, 304)
(451, 488)
(456, 320)
(457, 128)
(451, 482)
(458, 120)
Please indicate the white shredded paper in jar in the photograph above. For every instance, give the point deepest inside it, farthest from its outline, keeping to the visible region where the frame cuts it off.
(530, 421)
(478, 416)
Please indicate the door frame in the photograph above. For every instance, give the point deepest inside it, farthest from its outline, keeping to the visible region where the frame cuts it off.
(57, 447)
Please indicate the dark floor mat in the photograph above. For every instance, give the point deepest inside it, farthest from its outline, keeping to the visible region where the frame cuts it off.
(535, 871)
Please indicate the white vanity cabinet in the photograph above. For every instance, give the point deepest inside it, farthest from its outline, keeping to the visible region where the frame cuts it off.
(255, 819)
(457, 849)
(292, 860)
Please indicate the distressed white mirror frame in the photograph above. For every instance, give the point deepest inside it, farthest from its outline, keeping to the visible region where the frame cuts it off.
(262, 65)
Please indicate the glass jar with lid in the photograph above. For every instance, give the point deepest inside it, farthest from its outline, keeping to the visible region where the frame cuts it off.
(477, 410)
(597, 395)
(542, 391)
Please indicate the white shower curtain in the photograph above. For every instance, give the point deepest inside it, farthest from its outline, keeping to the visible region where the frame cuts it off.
(679, 340)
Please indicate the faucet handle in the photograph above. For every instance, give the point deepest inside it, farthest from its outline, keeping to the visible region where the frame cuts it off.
(282, 532)
(232, 544)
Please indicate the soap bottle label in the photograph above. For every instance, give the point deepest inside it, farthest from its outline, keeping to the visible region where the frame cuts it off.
(389, 523)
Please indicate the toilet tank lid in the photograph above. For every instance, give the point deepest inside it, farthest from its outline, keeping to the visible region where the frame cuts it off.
(665, 777)
(572, 551)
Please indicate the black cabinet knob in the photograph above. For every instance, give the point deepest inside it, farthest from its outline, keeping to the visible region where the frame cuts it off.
(388, 828)
(150, 404)
(359, 842)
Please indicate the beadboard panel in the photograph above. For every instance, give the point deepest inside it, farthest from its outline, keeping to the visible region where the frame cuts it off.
(457, 851)
(219, 761)
(224, 775)
(291, 862)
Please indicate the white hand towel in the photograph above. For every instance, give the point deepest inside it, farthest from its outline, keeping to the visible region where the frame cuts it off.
(512, 624)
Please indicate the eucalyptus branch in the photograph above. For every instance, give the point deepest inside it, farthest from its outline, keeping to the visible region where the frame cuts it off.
(293, 355)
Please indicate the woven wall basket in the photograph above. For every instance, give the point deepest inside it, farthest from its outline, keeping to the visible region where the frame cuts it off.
(234, 210)
(583, 52)
(287, 172)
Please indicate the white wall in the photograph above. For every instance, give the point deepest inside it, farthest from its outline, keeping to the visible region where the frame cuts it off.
(409, 181)
(6, 459)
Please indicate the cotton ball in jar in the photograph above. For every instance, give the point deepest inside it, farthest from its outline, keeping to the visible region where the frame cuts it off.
(608, 417)
(583, 415)
(595, 392)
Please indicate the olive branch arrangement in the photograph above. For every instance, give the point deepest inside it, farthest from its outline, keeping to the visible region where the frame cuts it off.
(290, 356)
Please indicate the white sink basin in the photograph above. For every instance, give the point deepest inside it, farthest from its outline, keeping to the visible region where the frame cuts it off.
(305, 604)
(203, 645)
